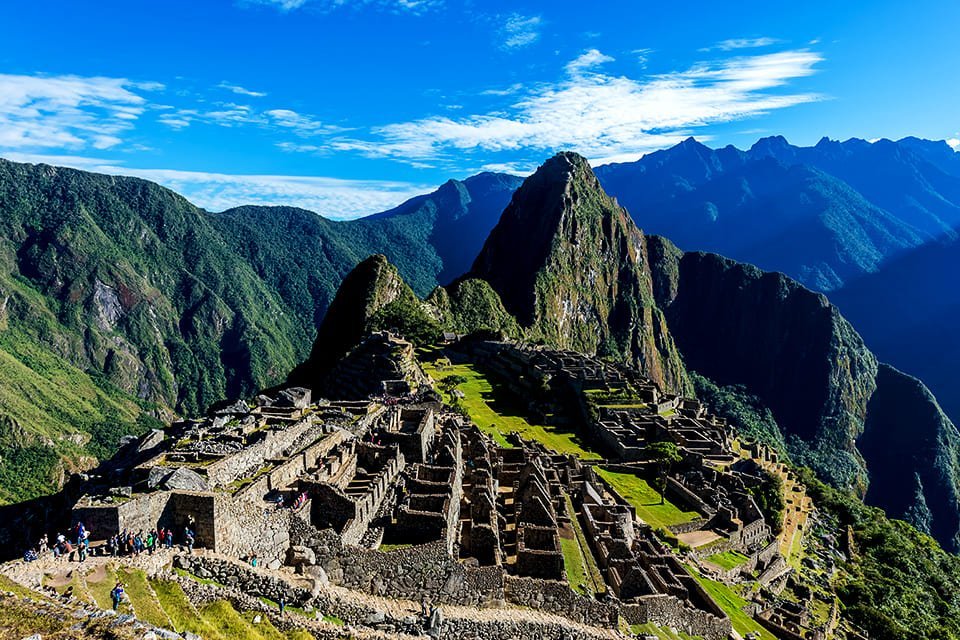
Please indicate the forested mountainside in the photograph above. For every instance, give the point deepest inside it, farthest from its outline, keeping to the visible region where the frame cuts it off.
(823, 215)
(584, 262)
(120, 302)
(149, 305)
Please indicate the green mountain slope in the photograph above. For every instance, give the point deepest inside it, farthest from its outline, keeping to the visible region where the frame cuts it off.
(121, 301)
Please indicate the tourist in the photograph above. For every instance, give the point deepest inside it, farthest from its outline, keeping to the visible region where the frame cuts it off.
(253, 561)
(168, 536)
(283, 605)
(188, 539)
(117, 595)
(82, 552)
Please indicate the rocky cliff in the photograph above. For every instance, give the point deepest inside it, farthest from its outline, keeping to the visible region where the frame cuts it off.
(571, 265)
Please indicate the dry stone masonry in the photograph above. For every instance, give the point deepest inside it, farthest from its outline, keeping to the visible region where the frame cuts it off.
(384, 490)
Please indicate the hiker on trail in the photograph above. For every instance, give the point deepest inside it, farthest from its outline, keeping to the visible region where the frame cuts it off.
(169, 538)
(117, 595)
(188, 539)
(283, 605)
(253, 561)
(82, 552)
(151, 542)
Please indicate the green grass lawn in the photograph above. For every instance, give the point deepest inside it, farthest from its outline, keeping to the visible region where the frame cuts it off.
(646, 500)
(732, 604)
(578, 560)
(100, 590)
(489, 407)
(181, 612)
(728, 559)
(145, 603)
(663, 633)
(573, 565)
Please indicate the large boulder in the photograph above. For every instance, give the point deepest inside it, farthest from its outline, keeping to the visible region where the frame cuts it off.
(298, 555)
(150, 440)
(298, 397)
(183, 479)
(156, 476)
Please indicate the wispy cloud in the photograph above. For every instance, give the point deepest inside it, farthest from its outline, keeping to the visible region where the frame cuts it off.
(506, 91)
(520, 31)
(742, 43)
(243, 91)
(396, 6)
(587, 61)
(68, 112)
(228, 114)
(330, 197)
(606, 117)
(642, 56)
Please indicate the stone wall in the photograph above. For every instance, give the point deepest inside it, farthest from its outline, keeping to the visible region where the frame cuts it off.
(251, 581)
(557, 597)
(667, 611)
(247, 461)
(409, 572)
(251, 526)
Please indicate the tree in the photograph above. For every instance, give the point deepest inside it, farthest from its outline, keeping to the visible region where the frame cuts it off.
(664, 455)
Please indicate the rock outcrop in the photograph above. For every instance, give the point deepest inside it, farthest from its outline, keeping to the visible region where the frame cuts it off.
(571, 265)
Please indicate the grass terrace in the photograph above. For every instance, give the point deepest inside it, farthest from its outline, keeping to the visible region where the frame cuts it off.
(732, 604)
(583, 574)
(662, 633)
(646, 500)
(728, 559)
(488, 405)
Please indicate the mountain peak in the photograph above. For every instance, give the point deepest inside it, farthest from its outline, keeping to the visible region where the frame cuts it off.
(569, 263)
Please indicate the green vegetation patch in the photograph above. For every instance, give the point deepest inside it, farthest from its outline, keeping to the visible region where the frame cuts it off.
(648, 503)
(182, 614)
(144, 601)
(663, 633)
(732, 604)
(728, 559)
(488, 405)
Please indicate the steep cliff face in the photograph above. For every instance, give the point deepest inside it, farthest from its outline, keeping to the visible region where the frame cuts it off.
(571, 265)
(736, 324)
(912, 451)
(856, 422)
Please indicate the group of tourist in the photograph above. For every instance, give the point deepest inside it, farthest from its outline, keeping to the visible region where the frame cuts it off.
(75, 545)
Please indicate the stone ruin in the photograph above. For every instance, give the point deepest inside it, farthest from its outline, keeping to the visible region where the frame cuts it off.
(392, 493)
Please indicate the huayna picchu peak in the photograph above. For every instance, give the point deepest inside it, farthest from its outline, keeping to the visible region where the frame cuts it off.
(571, 265)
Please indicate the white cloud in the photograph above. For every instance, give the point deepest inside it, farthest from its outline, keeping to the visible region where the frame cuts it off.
(520, 31)
(954, 143)
(506, 91)
(588, 60)
(235, 88)
(643, 56)
(742, 43)
(600, 115)
(68, 112)
(330, 197)
(228, 114)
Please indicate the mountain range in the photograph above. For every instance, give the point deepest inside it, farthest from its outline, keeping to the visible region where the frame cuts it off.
(574, 271)
(825, 214)
(121, 303)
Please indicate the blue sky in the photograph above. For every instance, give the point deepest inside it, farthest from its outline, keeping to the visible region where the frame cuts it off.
(348, 107)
